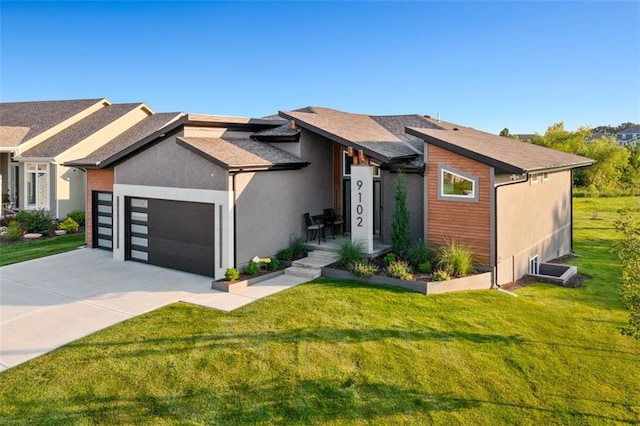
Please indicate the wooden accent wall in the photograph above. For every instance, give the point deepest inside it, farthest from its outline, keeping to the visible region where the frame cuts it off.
(463, 221)
(97, 180)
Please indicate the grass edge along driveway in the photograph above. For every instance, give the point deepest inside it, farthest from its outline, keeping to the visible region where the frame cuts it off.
(339, 352)
(20, 252)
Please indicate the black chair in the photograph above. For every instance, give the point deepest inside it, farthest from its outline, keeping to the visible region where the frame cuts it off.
(313, 228)
(332, 220)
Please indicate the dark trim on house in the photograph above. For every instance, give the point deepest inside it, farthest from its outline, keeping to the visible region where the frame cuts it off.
(276, 138)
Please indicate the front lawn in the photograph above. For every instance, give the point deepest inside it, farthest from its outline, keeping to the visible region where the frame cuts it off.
(27, 250)
(336, 352)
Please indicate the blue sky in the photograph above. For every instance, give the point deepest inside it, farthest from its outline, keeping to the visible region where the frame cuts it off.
(489, 65)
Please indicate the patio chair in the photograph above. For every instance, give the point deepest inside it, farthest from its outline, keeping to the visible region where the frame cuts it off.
(333, 221)
(313, 228)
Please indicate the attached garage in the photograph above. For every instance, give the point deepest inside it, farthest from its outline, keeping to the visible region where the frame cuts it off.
(172, 234)
(102, 208)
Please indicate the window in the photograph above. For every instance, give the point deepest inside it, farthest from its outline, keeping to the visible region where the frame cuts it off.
(534, 266)
(456, 185)
(346, 163)
(545, 176)
(534, 177)
(37, 185)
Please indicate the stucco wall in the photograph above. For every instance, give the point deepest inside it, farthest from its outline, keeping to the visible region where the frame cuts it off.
(70, 190)
(415, 203)
(269, 205)
(468, 222)
(167, 164)
(532, 218)
(97, 180)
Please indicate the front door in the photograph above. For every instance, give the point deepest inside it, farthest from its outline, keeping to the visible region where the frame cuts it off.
(102, 221)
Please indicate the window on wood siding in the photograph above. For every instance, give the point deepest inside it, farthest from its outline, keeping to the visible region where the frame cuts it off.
(456, 185)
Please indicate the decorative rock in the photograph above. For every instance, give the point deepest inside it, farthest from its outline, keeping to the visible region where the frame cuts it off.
(60, 232)
(32, 236)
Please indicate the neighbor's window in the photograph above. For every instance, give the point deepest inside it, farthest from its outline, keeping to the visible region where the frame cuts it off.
(37, 185)
(454, 184)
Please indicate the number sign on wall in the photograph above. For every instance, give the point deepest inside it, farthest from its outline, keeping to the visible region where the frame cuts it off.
(362, 206)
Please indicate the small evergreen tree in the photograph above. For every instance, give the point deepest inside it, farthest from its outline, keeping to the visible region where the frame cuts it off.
(401, 223)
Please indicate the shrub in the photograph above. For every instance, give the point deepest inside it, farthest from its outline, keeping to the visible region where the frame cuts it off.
(232, 274)
(440, 275)
(350, 252)
(388, 259)
(38, 221)
(420, 253)
(425, 267)
(363, 269)
(78, 216)
(68, 225)
(273, 265)
(456, 259)
(298, 247)
(253, 268)
(399, 269)
(14, 231)
(286, 254)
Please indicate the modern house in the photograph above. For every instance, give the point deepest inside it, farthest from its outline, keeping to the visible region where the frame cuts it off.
(202, 193)
(629, 136)
(36, 138)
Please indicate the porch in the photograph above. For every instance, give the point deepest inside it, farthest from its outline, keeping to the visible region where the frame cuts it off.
(332, 245)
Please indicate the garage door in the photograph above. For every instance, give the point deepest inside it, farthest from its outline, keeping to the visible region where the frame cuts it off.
(172, 234)
(102, 222)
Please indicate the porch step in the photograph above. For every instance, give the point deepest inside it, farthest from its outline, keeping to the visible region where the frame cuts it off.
(316, 260)
(308, 273)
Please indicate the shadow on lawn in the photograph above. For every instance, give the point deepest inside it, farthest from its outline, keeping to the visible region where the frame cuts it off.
(285, 399)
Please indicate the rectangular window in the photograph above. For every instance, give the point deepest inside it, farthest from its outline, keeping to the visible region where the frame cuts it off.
(456, 185)
(545, 176)
(37, 185)
(347, 162)
(534, 267)
(534, 177)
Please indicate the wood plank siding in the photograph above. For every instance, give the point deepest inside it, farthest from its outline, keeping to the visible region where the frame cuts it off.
(463, 221)
(97, 180)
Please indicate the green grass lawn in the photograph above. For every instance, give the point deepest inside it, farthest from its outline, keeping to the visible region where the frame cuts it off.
(14, 253)
(337, 352)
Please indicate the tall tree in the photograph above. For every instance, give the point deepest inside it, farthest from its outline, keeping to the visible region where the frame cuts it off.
(611, 163)
(401, 222)
(505, 132)
(628, 248)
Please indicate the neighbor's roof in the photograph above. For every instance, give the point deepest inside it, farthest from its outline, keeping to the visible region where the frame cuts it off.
(149, 128)
(12, 136)
(241, 153)
(40, 116)
(79, 131)
(632, 129)
(381, 137)
(504, 154)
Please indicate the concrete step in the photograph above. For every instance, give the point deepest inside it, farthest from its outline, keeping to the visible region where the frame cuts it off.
(308, 273)
(316, 260)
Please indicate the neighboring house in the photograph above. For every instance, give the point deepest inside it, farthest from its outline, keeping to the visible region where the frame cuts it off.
(629, 136)
(204, 193)
(36, 138)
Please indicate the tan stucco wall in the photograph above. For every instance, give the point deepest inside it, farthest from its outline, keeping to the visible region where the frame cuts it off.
(70, 191)
(168, 164)
(532, 218)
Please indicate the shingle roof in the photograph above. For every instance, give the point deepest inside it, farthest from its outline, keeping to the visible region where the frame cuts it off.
(79, 131)
(375, 135)
(12, 136)
(127, 140)
(40, 116)
(241, 153)
(505, 154)
(632, 129)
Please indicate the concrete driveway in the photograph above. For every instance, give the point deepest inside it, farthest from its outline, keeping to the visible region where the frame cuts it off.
(49, 302)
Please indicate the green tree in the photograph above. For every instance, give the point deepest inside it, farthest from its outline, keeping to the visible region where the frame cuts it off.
(631, 175)
(610, 166)
(401, 222)
(557, 137)
(505, 132)
(628, 248)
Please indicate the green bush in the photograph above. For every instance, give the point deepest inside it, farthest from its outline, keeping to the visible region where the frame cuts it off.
(232, 274)
(37, 221)
(68, 225)
(363, 269)
(425, 268)
(420, 253)
(350, 252)
(388, 259)
(440, 275)
(399, 269)
(401, 221)
(456, 259)
(286, 254)
(253, 268)
(78, 216)
(14, 231)
(273, 265)
(298, 247)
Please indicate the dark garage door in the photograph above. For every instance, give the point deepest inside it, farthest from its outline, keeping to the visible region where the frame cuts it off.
(172, 234)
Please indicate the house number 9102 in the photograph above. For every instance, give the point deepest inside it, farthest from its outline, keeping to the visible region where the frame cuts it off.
(359, 207)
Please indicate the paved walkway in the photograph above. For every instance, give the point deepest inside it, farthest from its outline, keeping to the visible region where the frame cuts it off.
(46, 303)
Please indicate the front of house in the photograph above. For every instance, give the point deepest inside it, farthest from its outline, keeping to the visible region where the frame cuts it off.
(204, 193)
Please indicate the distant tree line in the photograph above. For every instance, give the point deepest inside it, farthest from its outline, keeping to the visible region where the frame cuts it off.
(617, 168)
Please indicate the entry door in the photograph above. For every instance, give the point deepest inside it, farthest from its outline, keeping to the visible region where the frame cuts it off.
(102, 222)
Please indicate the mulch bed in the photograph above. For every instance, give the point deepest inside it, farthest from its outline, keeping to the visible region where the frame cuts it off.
(573, 282)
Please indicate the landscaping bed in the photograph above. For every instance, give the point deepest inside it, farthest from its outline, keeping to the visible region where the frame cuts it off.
(246, 280)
